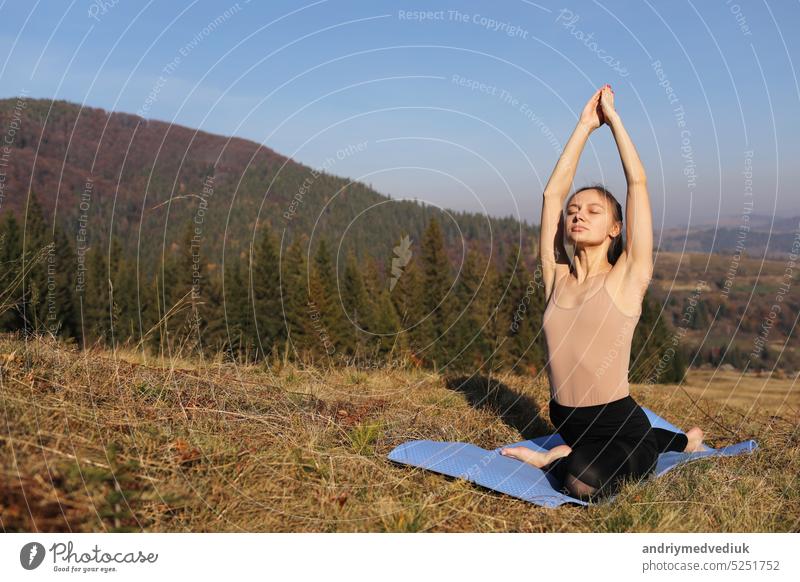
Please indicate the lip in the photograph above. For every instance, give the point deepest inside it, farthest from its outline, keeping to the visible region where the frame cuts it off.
(574, 228)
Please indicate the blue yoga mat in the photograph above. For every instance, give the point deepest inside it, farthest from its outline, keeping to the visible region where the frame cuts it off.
(495, 471)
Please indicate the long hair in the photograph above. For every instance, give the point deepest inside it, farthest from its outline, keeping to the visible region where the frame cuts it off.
(616, 246)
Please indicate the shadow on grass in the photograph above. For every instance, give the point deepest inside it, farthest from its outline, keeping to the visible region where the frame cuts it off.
(516, 410)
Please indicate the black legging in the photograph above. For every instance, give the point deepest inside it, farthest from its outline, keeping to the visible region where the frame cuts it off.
(610, 442)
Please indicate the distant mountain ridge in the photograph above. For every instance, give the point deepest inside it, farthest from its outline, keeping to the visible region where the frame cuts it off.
(147, 182)
(758, 235)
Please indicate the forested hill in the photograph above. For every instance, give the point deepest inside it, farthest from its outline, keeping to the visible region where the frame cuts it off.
(334, 267)
(147, 182)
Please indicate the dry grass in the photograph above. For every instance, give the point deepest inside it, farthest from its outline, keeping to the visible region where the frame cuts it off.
(101, 442)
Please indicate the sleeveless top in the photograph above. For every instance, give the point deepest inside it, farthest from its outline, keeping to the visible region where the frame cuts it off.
(589, 348)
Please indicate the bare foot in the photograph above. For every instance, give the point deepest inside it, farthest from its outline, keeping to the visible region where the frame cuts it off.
(695, 437)
(536, 458)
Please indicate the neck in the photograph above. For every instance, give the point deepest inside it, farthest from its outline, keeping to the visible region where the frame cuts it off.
(588, 263)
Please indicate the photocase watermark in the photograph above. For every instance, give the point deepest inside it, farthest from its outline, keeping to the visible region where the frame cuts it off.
(783, 289)
(401, 258)
(31, 555)
(567, 18)
(475, 18)
(197, 236)
(319, 327)
(305, 187)
(621, 340)
(744, 227)
(99, 8)
(82, 237)
(169, 69)
(66, 559)
(736, 10)
(522, 306)
(52, 304)
(677, 336)
(362, 362)
(508, 99)
(9, 138)
(473, 471)
(687, 152)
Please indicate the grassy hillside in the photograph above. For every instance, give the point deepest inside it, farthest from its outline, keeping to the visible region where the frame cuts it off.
(99, 441)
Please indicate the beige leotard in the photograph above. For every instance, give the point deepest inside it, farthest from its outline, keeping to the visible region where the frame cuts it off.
(588, 346)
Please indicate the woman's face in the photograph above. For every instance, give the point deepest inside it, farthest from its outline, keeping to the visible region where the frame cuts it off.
(590, 220)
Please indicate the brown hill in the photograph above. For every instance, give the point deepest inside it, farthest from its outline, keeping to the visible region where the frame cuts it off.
(143, 181)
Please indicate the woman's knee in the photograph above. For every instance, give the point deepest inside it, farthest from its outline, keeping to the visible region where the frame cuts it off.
(578, 488)
(586, 469)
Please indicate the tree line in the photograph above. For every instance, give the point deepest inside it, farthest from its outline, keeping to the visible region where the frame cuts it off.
(265, 304)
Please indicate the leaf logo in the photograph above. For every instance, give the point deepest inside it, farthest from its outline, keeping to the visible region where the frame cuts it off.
(31, 555)
(402, 257)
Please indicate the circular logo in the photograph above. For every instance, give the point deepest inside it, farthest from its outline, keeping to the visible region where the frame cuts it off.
(31, 555)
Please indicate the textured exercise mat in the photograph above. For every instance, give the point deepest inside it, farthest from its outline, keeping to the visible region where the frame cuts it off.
(495, 471)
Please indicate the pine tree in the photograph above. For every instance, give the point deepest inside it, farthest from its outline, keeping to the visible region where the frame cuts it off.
(178, 337)
(435, 303)
(238, 313)
(404, 285)
(62, 308)
(201, 297)
(38, 249)
(295, 294)
(497, 323)
(373, 280)
(319, 308)
(516, 314)
(328, 301)
(654, 356)
(10, 275)
(93, 298)
(384, 321)
(357, 306)
(264, 278)
(171, 305)
(156, 334)
(386, 326)
(127, 318)
(211, 320)
(472, 343)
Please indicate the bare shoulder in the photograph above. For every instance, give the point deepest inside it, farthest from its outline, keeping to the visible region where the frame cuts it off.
(626, 287)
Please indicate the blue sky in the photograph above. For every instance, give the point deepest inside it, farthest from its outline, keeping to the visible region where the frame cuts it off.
(465, 106)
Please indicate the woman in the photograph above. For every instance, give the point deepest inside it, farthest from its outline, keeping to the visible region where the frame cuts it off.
(593, 306)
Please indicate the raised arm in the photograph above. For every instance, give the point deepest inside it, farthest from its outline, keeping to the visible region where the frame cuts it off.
(552, 254)
(638, 252)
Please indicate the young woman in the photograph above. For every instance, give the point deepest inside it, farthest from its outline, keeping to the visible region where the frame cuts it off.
(593, 306)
